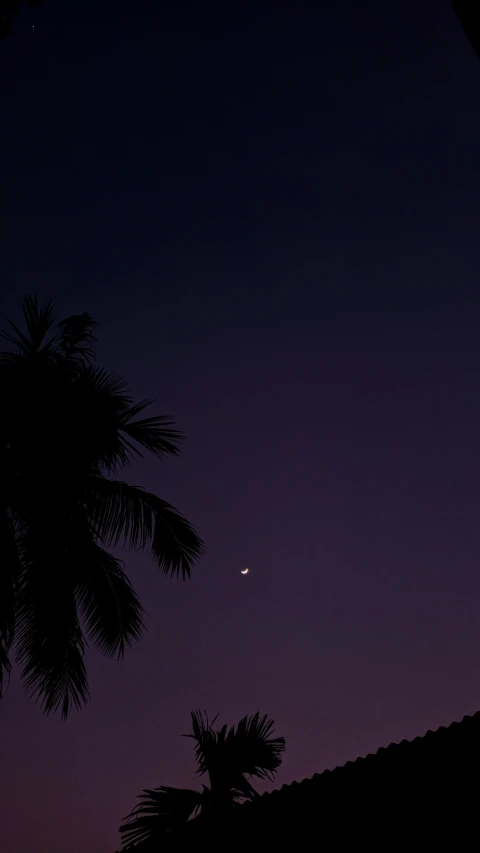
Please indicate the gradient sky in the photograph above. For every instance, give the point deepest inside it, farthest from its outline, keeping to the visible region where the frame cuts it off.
(272, 210)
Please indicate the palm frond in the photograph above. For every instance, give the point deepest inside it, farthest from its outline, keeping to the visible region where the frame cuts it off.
(108, 602)
(9, 573)
(38, 321)
(205, 738)
(77, 338)
(251, 748)
(142, 520)
(53, 660)
(229, 755)
(154, 434)
(160, 812)
(108, 385)
(113, 417)
(50, 644)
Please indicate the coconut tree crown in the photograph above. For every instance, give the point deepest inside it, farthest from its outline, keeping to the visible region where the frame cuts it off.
(69, 428)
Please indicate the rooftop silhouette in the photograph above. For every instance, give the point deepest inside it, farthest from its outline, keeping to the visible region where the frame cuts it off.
(420, 789)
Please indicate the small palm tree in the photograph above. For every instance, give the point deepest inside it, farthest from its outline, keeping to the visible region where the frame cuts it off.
(68, 428)
(229, 757)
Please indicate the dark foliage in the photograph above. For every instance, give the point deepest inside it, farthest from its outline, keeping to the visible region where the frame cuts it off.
(230, 757)
(67, 428)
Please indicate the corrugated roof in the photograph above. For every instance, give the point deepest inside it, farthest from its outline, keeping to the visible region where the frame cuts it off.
(411, 789)
(433, 754)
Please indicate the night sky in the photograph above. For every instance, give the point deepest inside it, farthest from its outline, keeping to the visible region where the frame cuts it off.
(272, 210)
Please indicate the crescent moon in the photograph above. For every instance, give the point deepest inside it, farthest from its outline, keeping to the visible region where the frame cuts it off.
(244, 571)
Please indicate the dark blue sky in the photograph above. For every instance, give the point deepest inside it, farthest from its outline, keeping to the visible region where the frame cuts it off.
(272, 211)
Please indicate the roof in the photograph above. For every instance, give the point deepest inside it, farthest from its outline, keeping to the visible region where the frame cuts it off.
(413, 786)
(431, 756)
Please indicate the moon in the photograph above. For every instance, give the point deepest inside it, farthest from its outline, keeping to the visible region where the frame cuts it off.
(244, 571)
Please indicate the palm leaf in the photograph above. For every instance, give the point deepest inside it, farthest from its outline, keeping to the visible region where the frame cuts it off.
(38, 321)
(49, 641)
(9, 573)
(52, 657)
(154, 434)
(119, 434)
(205, 738)
(143, 520)
(228, 755)
(250, 748)
(76, 337)
(111, 610)
(159, 812)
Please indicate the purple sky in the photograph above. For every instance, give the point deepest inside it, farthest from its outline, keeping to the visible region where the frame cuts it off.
(275, 220)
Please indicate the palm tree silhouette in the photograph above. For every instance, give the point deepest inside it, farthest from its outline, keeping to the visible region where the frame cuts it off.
(67, 428)
(229, 756)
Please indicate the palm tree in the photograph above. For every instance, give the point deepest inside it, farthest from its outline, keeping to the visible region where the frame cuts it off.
(68, 428)
(229, 756)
